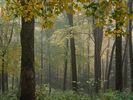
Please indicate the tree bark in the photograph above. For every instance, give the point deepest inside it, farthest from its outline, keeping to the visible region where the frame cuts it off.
(98, 34)
(125, 61)
(107, 56)
(88, 52)
(3, 73)
(65, 67)
(125, 73)
(110, 65)
(27, 61)
(49, 66)
(130, 3)
(12, 82)
(42, 60)
(0, 82)
(118, 66)
(107, 64)
(73, 56)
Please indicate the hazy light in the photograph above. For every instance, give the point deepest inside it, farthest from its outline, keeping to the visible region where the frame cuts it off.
(80, 13)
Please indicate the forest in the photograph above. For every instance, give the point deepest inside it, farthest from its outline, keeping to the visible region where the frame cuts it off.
(66, 50)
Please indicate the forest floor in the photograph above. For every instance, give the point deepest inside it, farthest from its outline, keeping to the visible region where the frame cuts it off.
(69, 95)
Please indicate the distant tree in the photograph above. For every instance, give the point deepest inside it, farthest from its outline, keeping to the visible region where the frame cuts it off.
(110, 65)
(65, 65)
(98, 37)
(5, 39)
(130, 6)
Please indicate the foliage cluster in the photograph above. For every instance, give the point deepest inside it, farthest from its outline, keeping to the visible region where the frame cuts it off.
(45, 10)
(112, 14)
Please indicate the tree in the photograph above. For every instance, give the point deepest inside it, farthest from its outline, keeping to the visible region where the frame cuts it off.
(28, 10)
(5, 42)
(110, 65)
(119, 10)
(98, 34)
(65, 66)
(130, 3)
(73, 56)
(27, 61)
(118, 66)
(42, 57)
(125, 63)
(113, 15)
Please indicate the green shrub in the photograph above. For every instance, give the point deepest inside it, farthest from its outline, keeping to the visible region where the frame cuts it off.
(42, 93)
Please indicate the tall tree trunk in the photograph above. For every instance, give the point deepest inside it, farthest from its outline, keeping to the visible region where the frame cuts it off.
(110, 65)
(102, 74)
(49, 66)
(13, 82)
(57, 77)
(0, 82)
(125, 73)
(125, 62)
(49, 77)
(6, 80)
(6, 76)
(65, 67)
(73, 56)
(107, 64)
(88, 63)
(98, 35)
(130, 3)
(3, 73)
(17, 82)
(42, 60)
(118, 55)
(27, 61)
(107, 56)
(79, 68)
(118, 66)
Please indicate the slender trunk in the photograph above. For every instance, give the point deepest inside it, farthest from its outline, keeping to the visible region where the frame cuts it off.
(73, 56)
(107, 56)
(110, 65)
(49, 78)
(125, 74)
(57, 77)
(102, 74)
(49, 66)
(65, 68)
(130, 3)
(0, 82)
(6, 76)
(88, 62)
(79, 71)
(27, 61)
(3, 73)
(118, 66)
(97, 59)
(118, 56)
(12, 82)
(125, 62)
(88, 49)
(6, 80)
(17, 82)
(42, 64)
(107, 64)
